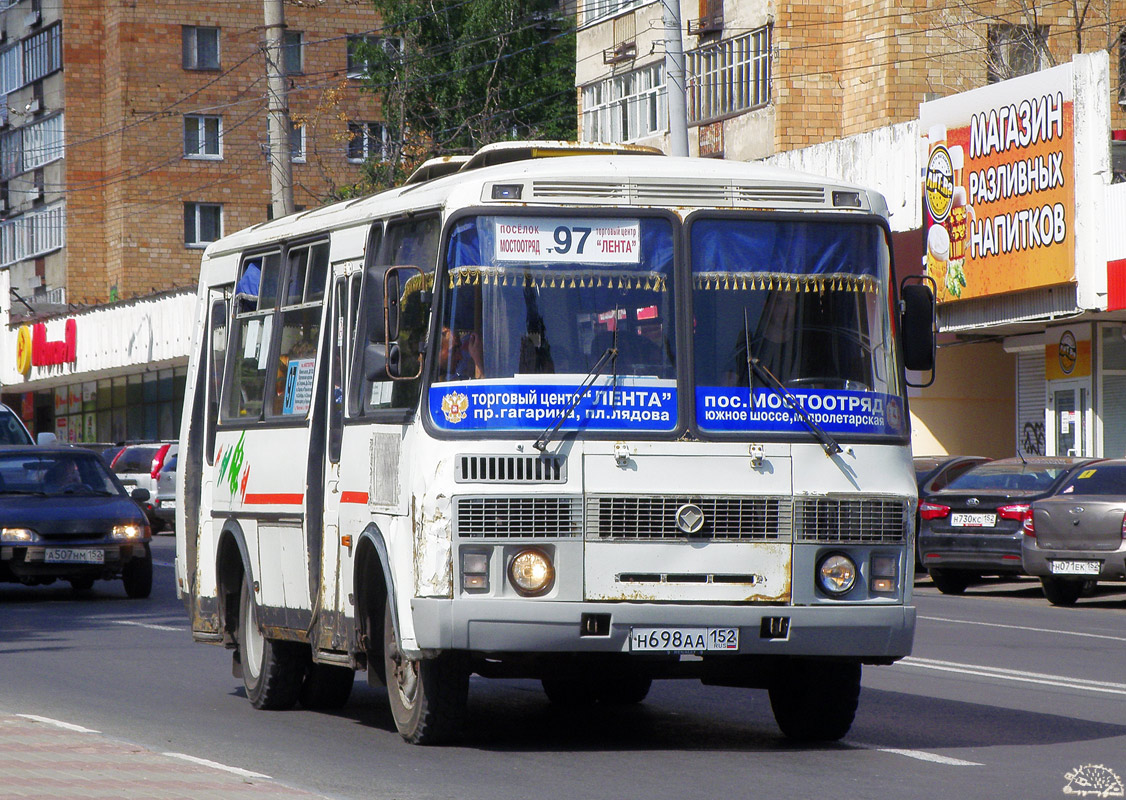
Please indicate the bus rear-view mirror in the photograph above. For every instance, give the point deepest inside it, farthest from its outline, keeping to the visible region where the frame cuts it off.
(917, 325)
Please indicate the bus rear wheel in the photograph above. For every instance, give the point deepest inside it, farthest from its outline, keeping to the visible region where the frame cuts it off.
(272, 670)
(816, 701)
(427, 696)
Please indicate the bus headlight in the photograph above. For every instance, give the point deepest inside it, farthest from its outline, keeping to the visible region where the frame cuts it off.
(531, 572)
(836, 574)
(18, 535)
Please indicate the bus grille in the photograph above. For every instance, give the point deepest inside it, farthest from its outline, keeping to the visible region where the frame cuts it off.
(518, 517)
(765, 519)
(510, 469)
(855, 520)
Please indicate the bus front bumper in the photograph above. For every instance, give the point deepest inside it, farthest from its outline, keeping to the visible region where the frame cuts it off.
(876, 632)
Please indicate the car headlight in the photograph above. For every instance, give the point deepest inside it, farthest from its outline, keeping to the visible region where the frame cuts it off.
(18, 535)
(531, 572)
(130, 532)
(836, 574)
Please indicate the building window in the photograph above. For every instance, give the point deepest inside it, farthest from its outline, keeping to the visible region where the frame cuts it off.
(1013, 50)
(730, 76)
(296, 142)
(1122, 67)
(367, 140)
(626, 107)
(42, 53)
(202, 137)
(293, 53)
(597, 9)
(360, 48)
(203, 223)
(201, 47)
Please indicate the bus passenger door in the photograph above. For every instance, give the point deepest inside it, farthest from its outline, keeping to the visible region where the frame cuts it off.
(336, 545)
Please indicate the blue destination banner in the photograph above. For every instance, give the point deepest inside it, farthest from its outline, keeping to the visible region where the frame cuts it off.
(725, 408)
(476, 405)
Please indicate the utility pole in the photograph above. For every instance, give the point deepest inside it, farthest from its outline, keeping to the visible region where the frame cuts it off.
(674, 79)
(281, 168)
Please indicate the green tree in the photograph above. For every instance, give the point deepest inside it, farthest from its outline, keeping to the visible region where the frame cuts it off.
(454, 75)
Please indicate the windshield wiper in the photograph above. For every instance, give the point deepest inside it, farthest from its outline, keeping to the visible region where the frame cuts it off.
(828, 443)
(610, 354)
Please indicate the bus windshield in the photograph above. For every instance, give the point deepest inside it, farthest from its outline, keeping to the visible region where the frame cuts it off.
(805, 302)
(533, 304)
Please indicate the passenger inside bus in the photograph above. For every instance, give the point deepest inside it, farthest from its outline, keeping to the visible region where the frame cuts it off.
(461, 355)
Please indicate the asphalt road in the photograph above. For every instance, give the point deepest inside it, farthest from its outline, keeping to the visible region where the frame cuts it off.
(1004, 696)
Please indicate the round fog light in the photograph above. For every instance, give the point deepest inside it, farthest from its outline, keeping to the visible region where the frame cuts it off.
(836, 574)
(531, 573)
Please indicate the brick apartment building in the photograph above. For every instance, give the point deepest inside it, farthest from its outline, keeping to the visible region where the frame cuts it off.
(767, 77)
(132, 134)
(839, 88)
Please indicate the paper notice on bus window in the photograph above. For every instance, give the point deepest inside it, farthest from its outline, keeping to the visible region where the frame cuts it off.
(298, 386)
(264, 342)
(546, 240)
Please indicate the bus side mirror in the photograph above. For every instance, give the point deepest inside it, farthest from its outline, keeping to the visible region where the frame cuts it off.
(383, 362)
(917, 325)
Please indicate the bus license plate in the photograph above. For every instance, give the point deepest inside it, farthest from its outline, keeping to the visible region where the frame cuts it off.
(683, 640)
(73, 555)
(1074, 567)
(973, 520)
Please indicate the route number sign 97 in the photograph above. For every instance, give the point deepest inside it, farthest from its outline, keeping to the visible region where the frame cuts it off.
(570, 240)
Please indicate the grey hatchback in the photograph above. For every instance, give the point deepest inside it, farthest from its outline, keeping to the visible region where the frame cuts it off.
(1078, 535)
(972, 528)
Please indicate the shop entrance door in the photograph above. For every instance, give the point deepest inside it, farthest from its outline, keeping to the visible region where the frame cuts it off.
(1070, 414)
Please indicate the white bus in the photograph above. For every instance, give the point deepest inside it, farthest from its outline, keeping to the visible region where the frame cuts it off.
(592, 416)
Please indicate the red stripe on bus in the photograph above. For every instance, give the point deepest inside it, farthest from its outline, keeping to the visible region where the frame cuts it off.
(281, 498)
(354, 497)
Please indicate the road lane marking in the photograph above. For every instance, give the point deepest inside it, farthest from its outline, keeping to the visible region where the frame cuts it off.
(1027, 628)
(922, 755)
(150, 625)
(1019, 676)
(245, 773)
(58, 723)
(156, 563)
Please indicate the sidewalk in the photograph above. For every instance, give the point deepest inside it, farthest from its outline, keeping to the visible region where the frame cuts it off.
(42, 759)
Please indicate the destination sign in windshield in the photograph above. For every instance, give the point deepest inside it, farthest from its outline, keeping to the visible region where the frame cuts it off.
(568, 240)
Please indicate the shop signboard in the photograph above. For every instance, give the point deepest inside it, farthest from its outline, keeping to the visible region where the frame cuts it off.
(998, 186)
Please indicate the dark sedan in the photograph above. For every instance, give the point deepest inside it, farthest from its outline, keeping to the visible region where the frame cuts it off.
(972, 528)
(932, 473)
(66, 516)
(1078, 535)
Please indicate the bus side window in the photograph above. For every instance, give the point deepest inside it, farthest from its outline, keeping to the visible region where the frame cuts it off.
(255, 299)
(298, 329)
(218, 356)
(339, 322)
(413, 242)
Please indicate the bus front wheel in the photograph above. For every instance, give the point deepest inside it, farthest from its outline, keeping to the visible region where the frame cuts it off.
(815, 701)
(272, 670)
(427, 696)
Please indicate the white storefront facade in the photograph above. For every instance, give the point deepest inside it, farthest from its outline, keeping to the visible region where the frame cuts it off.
(110, 373)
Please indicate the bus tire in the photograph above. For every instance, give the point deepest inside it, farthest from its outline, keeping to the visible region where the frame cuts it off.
(272, 670)
(625, 690)
(427, 696)
(816, 701)
(136, 575)
(326, 687)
